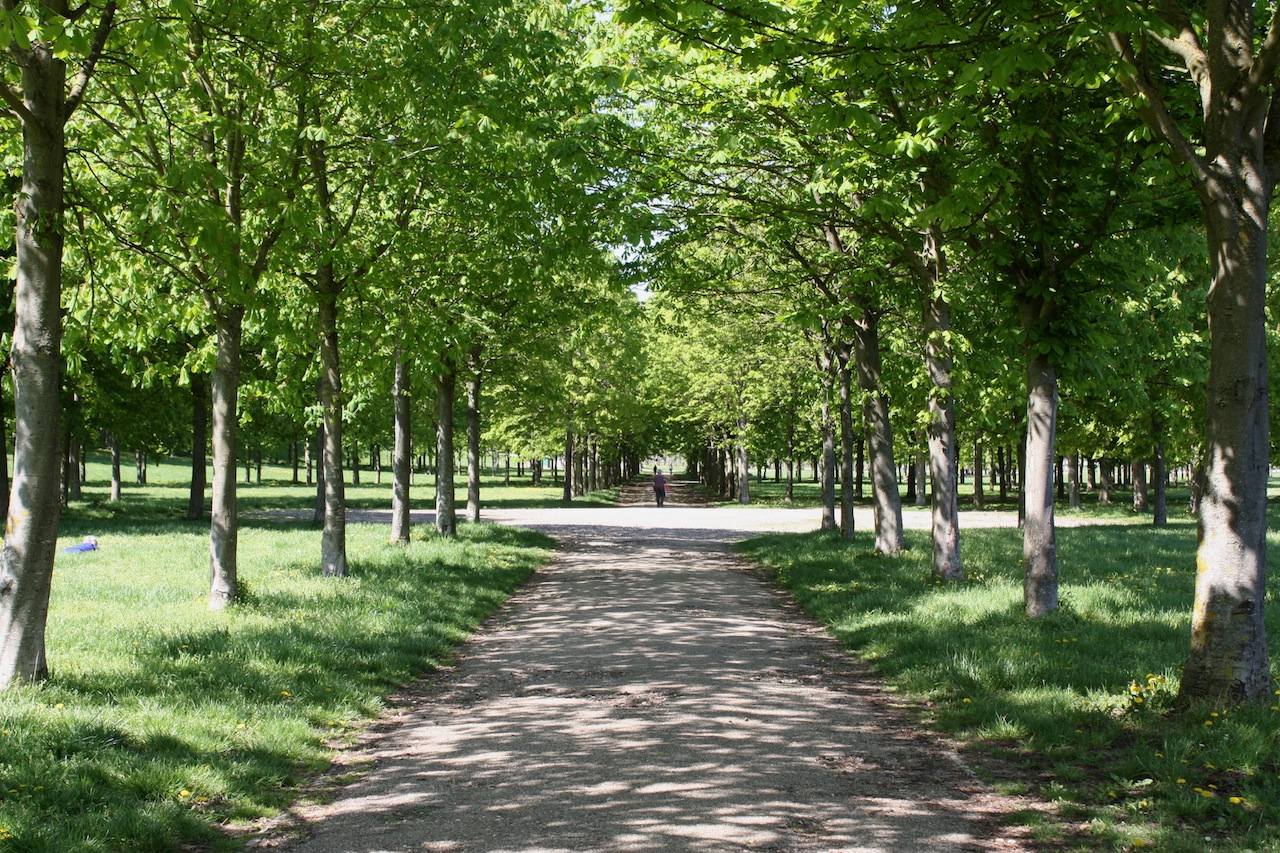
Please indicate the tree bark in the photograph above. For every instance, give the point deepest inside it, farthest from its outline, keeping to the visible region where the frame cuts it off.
(333, 540)
(31, 536)
(1228, 659)
(402, 455)
(568, 465)
(826, 469)
(922, 479)
(199, 447)
(446, 389)
(844, 376)
(743, 461)
(1039, 546)
(224, 522)
(979, 496)
(945, 499)
(318, 455)
(791, 458)
(473, 436)
(1073, 481)
(1140, 496)
(884, 476)
(1159, 476)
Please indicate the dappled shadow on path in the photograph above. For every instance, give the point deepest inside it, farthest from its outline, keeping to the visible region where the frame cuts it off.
(647, 694)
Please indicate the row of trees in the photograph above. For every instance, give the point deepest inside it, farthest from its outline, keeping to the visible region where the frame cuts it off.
(288, 214)
(921, 203)
(928, 211)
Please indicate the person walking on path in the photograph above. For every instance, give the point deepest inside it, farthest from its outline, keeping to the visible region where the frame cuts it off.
(659, 486)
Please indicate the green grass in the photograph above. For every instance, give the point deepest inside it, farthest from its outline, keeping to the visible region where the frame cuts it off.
(1076, 707)
(167, 482)
(807, 493)
(163, 720)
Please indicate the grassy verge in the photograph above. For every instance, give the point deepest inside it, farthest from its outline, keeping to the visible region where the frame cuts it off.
(163, 719)
(1076, 707)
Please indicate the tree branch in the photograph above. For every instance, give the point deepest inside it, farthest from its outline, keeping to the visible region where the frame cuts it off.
(91, 59)
(16, 107)
(1153, 110)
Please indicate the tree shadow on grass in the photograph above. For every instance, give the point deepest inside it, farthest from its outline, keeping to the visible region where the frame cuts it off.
(972, 640)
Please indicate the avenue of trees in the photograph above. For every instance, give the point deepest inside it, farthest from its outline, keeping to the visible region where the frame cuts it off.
(975, 228)
(894, 244)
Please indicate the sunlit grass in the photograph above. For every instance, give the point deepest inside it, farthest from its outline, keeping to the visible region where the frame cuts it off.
(165, 492)
(1076, 707)
(163, 719)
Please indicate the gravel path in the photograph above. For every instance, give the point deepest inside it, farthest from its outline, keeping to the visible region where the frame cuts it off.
(648, 692)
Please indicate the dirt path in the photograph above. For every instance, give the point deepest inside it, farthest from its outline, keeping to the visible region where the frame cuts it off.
(647, 692)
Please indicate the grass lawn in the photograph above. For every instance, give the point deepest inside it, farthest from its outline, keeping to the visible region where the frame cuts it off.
(1075, 708)
(163, 719)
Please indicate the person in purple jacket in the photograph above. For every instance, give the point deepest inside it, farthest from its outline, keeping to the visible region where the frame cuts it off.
(90, 543)
(659, 486)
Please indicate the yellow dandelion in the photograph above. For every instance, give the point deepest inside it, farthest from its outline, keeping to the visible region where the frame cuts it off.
(966, 700)
(1181, 781)
(1237, 800)
(184, 793)
(285, 693)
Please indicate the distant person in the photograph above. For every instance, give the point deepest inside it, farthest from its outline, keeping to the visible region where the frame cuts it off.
(90, 543)
(659, 486)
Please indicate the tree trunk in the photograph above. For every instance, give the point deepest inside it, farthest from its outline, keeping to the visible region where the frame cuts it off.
(318, 455)
(1228, 659)
(912, 470)
(1039, 547)
(355, 464)
(945, 499)
(979, 497)
(1002, 469)
(473, 436)
(1139, 485)
(4, 457)
(1022, 474)
(593, 465)
(30, 541)
(860, 465)
(1106, 471)
(199, 447)
(116, 486)
(844, 376)
(743, 461)
(827, 469)
(446, 388)
(922, 481)
(791, 458)
(223, 521)
(884, 478)
(333, 540)
(402, 455)
(1073, 481)
(1159, 477)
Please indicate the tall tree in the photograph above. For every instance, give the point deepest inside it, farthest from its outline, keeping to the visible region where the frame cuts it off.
(42, 106)
(1227, 139)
